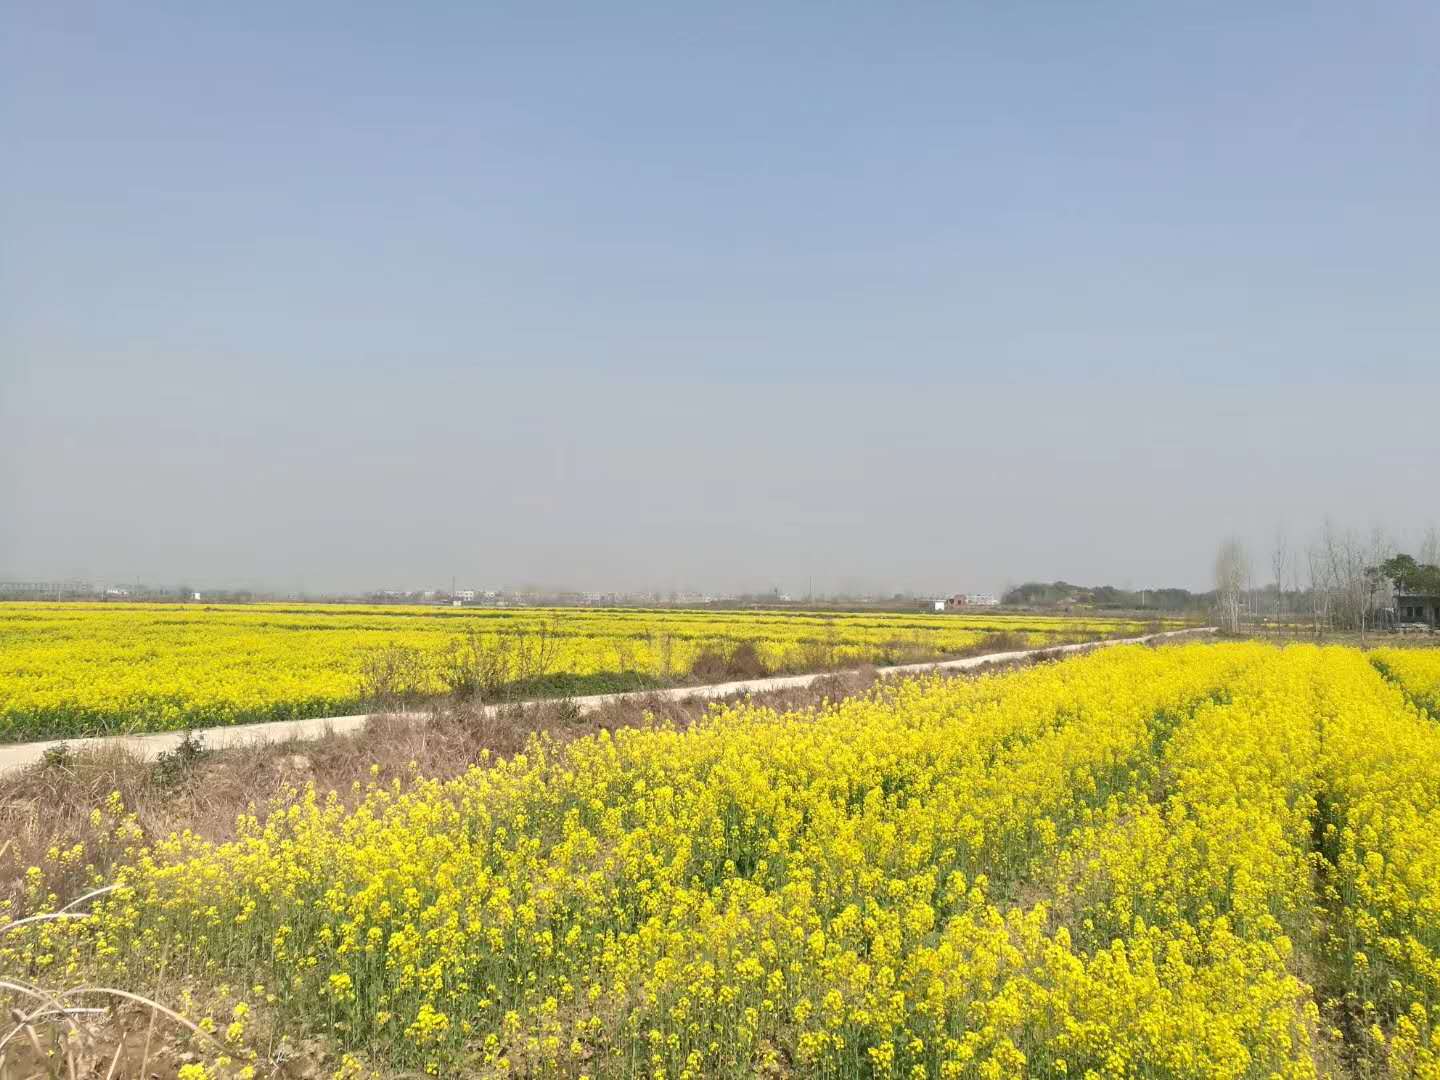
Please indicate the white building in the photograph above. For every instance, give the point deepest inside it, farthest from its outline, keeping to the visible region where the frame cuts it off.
(964, 600)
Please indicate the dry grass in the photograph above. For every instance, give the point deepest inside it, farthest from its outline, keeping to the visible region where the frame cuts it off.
(95, 1032)
(999, 641)
(740, 661)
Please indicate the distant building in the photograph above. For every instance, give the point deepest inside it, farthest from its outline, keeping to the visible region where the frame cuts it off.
(933, 605)
(963, 600)
(467, 595)
(1417, 608)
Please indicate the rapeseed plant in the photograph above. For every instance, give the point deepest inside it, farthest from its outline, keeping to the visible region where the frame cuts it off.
(1114, 866)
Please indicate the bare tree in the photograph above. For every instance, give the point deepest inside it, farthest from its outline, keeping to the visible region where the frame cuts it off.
(1321, 588)
(1379, 590)
(1279, 560)
(1232, 576)
(1296, 582)
(1430, 547)
(1345, 567)
(1346, 560)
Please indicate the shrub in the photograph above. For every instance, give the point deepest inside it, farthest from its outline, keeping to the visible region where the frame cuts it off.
(393, 675)
(172, 767)
(742, 661)
(59, 756)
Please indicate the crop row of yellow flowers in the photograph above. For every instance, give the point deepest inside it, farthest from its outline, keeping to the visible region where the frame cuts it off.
(1417, 670)
(78, 669)
(1200, 861)
(1191, 900)
(1381, 842)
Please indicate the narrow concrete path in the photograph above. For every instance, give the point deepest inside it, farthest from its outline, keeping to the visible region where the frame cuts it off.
(19, 755)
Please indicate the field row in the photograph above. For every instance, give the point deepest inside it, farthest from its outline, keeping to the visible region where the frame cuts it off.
(1417, 670)
(1198, 861)
(85, 669)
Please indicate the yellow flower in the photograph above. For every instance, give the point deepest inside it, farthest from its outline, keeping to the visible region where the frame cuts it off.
(1108, 866)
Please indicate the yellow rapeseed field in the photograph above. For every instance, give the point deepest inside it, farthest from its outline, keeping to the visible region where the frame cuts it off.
(1418, 670)
(1195, 861)
(82, 669)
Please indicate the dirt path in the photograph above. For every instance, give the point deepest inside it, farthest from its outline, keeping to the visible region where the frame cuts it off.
(20, 755)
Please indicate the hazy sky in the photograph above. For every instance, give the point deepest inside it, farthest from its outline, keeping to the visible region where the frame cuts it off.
(927, 296)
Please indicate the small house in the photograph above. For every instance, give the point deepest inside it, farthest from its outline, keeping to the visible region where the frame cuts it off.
(962, 600)
(1417, 608)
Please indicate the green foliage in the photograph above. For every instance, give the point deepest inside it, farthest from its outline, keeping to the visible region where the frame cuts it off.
(1410, 576)
(172, 767)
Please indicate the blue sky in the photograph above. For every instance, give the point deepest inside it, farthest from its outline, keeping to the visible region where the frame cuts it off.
(920, 297)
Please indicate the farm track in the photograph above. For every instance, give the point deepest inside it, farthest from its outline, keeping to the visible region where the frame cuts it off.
(150, 746)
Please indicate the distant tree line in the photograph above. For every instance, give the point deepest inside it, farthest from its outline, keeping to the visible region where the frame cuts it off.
(1342, 580)
(1059, 594)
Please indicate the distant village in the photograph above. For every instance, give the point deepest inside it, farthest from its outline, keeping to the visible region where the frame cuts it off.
(1033, 596)
(478, 597)
(1408, 604)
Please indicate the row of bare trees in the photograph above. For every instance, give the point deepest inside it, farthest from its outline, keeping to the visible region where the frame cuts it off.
(1334, 582)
